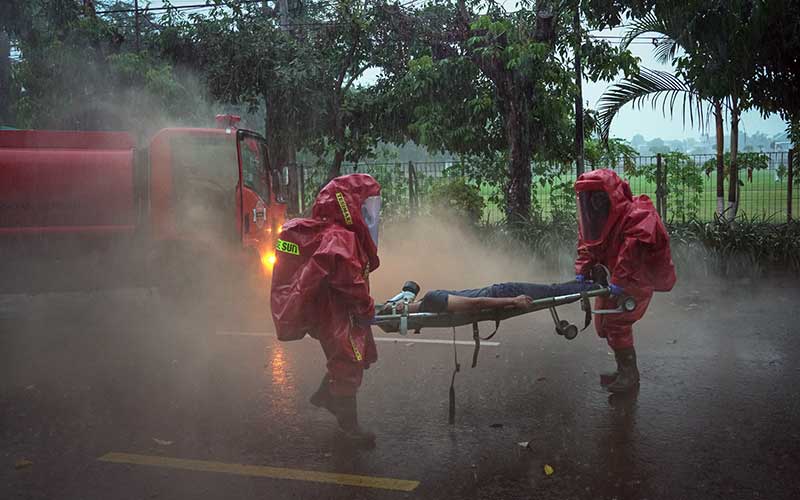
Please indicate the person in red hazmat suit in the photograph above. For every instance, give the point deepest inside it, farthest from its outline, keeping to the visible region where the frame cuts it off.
(320, 287)
(624, 233)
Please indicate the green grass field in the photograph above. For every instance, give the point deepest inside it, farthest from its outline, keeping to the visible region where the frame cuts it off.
(762, 197)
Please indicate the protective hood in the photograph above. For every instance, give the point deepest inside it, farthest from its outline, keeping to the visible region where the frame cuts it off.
(602, 197)
(344, 201)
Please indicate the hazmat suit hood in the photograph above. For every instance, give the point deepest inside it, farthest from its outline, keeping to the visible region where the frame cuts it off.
(603, 199)
(342, 202)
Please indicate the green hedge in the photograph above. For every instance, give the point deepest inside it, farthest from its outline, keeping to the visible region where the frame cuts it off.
(747, 248)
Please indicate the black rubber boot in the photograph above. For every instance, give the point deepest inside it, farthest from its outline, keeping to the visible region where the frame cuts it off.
(627, 372)
(323, 397)
(347, 415)
(608, 378)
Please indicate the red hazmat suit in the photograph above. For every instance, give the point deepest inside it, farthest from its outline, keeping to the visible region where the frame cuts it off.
(320, 282)
(628, 238)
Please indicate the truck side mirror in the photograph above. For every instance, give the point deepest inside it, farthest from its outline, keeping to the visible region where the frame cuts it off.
(285, 176)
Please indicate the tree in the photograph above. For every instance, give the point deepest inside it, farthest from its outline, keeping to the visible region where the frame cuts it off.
(653, 85)
(76, 72)
(304, 74)
(495, 81)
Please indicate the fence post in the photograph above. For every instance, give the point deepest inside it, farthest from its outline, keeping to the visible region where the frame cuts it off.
(658, 184)
(789, 188)
(413, 202)
(661, 187)
(302, 186)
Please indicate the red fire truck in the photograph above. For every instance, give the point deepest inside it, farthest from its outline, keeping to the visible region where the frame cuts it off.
(192, 203)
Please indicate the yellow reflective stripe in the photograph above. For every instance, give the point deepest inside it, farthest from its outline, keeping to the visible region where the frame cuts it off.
(348, 219)
(355, 349)
(287, 247)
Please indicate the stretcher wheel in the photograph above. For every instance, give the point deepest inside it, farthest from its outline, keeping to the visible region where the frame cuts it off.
(629, 304)
(570, 332)
(566, 329)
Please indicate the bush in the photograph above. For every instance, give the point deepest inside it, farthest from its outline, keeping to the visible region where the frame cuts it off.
(751, 248)
(456, 196)
(746, 247)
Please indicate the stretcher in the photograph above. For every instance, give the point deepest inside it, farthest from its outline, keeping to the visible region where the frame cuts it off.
(392, 316)
(398, 320)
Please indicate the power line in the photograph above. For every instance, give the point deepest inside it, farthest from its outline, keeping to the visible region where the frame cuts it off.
(174, 7)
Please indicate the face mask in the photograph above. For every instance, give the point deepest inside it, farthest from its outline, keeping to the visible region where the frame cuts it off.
(593, 208)
(370, 211)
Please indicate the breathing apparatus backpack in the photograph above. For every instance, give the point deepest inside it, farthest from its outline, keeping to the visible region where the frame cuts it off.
(293, 306)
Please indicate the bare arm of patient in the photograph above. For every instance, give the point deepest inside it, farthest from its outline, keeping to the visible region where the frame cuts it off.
(457, 303)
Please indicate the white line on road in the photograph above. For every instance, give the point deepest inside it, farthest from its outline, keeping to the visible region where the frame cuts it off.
(398, 339)
(434, 341)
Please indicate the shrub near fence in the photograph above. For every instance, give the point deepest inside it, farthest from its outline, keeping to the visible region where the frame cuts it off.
(688, 186)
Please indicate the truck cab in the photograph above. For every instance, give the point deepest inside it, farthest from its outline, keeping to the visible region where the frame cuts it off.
(190, 201)
(215, 187)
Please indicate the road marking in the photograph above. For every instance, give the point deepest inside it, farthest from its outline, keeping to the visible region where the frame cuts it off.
(383, 483)
(434, 341)
(246, 334)
(377, 339)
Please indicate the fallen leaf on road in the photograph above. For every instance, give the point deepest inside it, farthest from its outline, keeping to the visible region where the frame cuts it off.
(162, 442)
(673, 341)
(21, 464)
(548, 470)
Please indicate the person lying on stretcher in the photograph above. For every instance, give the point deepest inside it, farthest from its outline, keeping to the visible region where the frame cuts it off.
(497, 296)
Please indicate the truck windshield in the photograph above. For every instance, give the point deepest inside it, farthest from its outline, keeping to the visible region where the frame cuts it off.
(254, 166)
(205, 175)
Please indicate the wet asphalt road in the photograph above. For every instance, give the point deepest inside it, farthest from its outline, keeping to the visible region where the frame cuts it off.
(86, 374)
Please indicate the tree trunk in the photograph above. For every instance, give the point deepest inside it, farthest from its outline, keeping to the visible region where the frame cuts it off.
(282, 152)
(338, 138)
(5, 79)
(718, 119)
(336, 166)
(733, 189)
(518, 137)
(579, 92)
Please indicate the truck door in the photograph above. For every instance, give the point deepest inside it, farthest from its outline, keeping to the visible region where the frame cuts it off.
(254, 194)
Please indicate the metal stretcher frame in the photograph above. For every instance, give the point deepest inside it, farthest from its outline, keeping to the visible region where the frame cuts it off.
(403, 322)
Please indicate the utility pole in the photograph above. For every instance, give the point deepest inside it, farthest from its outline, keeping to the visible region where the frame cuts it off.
(5, 78)
(576, 24)
(285, 143)
(136, 17)
(283, 11)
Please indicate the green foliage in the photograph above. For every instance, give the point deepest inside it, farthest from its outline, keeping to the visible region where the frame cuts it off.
(599, 154)
(78, 71)
(495, 88)
(746, 161)
(750, 247)
(685, 183)
(650, 86)
(684, 186)
(456, 196)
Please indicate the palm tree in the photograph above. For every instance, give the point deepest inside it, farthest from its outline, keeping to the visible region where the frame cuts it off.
(665, 87)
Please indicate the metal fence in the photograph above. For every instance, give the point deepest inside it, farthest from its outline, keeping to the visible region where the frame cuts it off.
(683, 187)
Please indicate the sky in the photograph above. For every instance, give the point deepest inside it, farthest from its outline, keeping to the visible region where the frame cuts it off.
(648, 122)
(652, 123)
